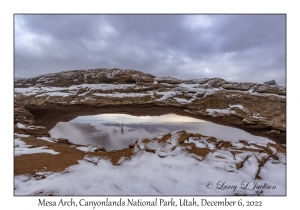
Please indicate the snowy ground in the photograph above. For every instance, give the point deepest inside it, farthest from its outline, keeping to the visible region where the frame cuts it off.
(21, 149)
(163, 166)
(165, 171)
(148, 174)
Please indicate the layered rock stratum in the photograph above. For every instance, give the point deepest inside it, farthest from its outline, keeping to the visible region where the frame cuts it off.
(43, 101)
(256, 108)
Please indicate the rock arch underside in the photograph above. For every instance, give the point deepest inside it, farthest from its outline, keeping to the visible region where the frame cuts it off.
(43, 101)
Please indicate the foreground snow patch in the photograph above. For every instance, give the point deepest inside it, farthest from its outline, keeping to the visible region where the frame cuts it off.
(21, 149)
(147, 174)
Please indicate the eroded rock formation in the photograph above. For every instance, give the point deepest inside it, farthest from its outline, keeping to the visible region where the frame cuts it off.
(240, 160)
(45, 100)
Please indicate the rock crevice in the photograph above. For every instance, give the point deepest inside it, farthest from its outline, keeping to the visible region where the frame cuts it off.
(45, 100)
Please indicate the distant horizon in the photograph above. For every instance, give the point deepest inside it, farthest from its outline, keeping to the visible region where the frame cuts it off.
(125, 118)
(234, 47)
(106, 122)
(138, 71)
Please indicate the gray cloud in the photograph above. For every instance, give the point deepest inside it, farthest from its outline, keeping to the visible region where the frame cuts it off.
(234, 47)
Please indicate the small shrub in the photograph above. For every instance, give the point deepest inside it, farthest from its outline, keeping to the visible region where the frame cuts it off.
(271, 82)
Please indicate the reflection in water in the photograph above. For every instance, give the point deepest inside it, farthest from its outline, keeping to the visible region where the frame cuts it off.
(117, 131)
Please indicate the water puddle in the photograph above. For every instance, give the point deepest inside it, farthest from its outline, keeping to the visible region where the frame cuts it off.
(117, 131)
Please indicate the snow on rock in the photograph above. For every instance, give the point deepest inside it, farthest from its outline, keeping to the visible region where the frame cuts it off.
(21, 149)
(76, 77)
(128, 87)
(177, 163)
(182, 100)
(53, 94)
(20, 125)
(227, 111)
(91, 148)
(46, 139)
(21, 135)
(214, 112)
(239, 106)
(167, 95)
(238, 86)
(121, 95)
(28, 91)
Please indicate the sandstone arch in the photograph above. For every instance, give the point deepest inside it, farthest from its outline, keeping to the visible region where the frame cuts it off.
(256, 108)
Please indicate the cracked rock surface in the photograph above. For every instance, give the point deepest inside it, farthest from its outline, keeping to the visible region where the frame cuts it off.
(177, 163)
(256, 108)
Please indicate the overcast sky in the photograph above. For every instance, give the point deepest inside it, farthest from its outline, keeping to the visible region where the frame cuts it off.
(242, 48)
